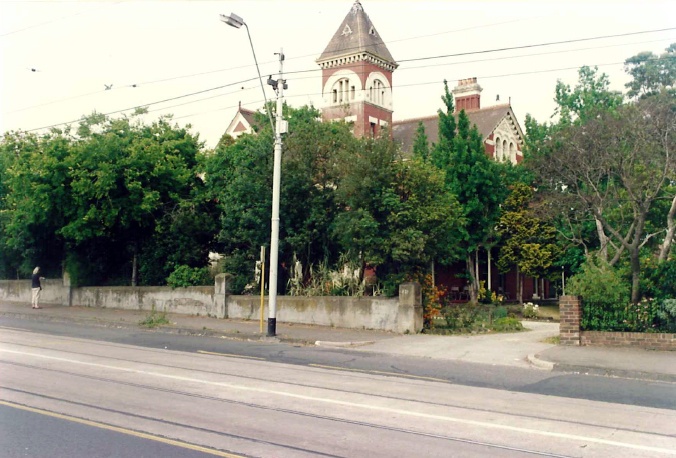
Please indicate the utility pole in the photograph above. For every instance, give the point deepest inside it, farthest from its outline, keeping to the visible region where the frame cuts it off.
(280, 128)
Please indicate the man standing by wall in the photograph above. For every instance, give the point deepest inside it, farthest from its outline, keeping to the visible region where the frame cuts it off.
(36, 287)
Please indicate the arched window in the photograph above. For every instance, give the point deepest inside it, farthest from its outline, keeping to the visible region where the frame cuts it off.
(341, 91)
(377, 92)
(512, 153)
(498, 149)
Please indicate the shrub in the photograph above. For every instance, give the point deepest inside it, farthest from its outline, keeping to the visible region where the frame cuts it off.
(666, 315)
(530, 310)
(461, 316)
(499, 312)
(507, 324)
(184, 276)
(659, 281)
(604, 293)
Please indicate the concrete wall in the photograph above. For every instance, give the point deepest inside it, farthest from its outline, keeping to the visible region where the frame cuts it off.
(53, 291)
(401, 315)
(197, 300)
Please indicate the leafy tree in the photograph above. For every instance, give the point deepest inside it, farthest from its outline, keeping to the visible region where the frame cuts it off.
(475, 180)
(447, 128)
(312, 156)
(526, 241)
(575, 105)
(128, 177)
(590, 96)
(651, 74)
(239, 177)
(421, 146)
(397, 214)
(617, 165)
(35, 187)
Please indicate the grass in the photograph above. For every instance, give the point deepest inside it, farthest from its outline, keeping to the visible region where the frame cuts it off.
(554, 340)
(154, 319)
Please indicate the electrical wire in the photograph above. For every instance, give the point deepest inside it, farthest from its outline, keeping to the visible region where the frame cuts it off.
(406, 60)
(552, 43)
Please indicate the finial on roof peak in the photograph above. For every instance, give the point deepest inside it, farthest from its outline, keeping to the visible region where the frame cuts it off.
(357, 6)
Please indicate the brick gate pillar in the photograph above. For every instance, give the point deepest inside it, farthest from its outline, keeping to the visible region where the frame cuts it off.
(570, 311)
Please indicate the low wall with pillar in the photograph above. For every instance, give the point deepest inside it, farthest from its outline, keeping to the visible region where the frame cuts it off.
(570, 309)
(401, 315)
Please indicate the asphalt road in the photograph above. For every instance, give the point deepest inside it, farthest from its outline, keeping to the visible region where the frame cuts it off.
(247, 405)
(44, 434)
(615, 390)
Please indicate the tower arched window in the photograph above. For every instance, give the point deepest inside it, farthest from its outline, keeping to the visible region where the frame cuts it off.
(341, 91)
(377, 92)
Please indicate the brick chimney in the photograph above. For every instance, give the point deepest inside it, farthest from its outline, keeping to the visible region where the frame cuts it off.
(467, 95)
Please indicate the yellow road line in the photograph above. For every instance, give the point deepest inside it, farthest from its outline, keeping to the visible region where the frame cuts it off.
(204, 352)
(122, 430)
(15, 329)
(398, 374)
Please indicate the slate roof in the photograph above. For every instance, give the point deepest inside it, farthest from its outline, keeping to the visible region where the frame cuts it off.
(356, 35)
(248, 115)
(243, 121)
(486, 120)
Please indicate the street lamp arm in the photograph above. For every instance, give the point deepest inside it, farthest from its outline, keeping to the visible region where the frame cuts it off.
(260, 79)
(237, 22)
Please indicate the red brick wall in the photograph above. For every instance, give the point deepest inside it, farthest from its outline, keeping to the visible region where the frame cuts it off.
(650, 340)
(569, 323)
(569, 330)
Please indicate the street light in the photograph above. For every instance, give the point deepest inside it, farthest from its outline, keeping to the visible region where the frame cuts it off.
(235, 21)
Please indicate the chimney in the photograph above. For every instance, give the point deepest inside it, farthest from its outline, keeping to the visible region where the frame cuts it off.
(467, 95)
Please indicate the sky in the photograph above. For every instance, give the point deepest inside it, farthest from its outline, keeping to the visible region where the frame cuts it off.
(177, 57)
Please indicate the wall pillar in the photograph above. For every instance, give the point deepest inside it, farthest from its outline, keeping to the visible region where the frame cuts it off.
(222, 284)
(570, 311)
(410, 316)
(69, 287)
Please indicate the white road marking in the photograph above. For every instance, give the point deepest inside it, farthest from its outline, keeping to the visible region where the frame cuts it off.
(482, 424)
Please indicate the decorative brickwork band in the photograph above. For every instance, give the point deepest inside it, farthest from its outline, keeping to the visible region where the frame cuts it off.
(569, 326)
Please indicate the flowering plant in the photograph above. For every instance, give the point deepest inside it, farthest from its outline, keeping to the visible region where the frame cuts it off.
(530, 310)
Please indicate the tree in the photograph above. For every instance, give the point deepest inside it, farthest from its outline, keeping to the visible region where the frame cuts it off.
(421, 146)
(617, 166)
(128, 177)
(590, 96)
(475, 181)
(35, 200)
(447, 127)
(651, 74)
(239, 177)
(397, 214)
(239, 180)
(526, 241)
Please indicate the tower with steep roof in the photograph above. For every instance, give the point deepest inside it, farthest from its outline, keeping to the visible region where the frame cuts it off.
(357, 72)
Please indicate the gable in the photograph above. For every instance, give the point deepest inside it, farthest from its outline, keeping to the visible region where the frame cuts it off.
(499, 118)
(242, 123)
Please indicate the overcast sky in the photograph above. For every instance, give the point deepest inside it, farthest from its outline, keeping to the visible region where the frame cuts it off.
(172, 49)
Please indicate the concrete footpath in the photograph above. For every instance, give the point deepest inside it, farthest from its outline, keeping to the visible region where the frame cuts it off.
(532, 348)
